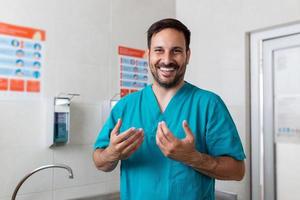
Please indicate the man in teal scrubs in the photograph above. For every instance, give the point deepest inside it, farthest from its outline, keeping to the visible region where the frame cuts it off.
(173, 138)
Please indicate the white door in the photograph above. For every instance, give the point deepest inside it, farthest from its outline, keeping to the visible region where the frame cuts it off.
(275, 113)
(281, 118)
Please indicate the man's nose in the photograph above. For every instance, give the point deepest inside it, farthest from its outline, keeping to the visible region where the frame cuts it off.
(167, 58)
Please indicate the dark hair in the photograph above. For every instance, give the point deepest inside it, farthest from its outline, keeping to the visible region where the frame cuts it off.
(169, 23)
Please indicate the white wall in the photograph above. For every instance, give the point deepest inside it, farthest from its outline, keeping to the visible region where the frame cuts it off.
(82, 40)
(81, 57)
(219, 55)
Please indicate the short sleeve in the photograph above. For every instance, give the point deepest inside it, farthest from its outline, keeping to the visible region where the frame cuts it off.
(222, 137)
(103, 138)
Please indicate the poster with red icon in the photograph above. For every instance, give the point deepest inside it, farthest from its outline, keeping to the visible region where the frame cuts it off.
(21, 56)
(133, 70)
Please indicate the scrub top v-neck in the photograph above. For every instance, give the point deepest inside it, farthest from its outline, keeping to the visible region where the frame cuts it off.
(147, 173)
(152, 109)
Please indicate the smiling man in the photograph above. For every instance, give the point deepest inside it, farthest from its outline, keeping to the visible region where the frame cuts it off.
(173, 138)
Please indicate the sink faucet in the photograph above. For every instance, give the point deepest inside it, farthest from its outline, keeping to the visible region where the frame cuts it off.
(39, 169)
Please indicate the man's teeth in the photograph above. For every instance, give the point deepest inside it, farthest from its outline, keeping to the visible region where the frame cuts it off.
(169, 69)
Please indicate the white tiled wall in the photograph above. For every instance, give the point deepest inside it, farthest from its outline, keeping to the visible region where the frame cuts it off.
(80, 57)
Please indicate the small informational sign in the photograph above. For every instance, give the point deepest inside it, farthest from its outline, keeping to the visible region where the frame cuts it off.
(21, 55)
(133, 70)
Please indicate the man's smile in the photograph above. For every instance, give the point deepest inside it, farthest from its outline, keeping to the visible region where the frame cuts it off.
(167, 71)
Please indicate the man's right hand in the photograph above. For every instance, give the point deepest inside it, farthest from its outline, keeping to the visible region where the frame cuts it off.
(122, 145)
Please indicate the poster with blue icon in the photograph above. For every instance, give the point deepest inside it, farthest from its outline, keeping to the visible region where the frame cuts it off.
(133, 70)
(21, 55)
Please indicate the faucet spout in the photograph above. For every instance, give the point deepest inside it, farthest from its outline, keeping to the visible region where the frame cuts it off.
(70, 171)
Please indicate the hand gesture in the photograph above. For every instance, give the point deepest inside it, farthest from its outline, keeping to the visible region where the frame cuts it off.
(172, 147)
(122, 145)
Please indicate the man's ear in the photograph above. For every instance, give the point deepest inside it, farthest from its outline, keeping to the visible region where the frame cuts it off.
(188, 55)
(147, 54)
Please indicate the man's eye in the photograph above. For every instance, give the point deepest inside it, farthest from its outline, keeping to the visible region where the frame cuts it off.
(158, 50)
(177, 51)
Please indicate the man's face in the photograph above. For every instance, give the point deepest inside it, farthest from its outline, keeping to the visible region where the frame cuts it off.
(168, 57)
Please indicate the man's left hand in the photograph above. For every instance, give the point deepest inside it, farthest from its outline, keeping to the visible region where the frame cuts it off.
(223, 167)
(173, 147)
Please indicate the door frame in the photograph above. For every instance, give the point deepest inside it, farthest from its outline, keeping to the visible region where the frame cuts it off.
(257, 38)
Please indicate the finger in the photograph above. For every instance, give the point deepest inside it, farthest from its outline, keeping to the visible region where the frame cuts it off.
(160, 136)
(135, 136)
(167, 133)
(123, 136)
(133, 147)
(117, 127)
(187, 129)
(160, 145)
(158, 142)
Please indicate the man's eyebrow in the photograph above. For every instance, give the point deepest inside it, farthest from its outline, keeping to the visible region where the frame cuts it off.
(175, 47)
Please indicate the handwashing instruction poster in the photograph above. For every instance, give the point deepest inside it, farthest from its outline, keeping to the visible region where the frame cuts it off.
(133, 70)
(21, 55)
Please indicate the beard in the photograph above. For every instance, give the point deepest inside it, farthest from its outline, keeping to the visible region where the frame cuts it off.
(179, 74)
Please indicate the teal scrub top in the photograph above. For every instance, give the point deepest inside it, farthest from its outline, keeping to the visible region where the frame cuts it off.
(147, 174)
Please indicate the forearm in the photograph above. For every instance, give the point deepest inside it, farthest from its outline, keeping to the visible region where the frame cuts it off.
(102, 161)
(223, 168)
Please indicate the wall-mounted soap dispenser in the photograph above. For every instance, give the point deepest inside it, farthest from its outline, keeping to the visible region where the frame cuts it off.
(60, 120)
